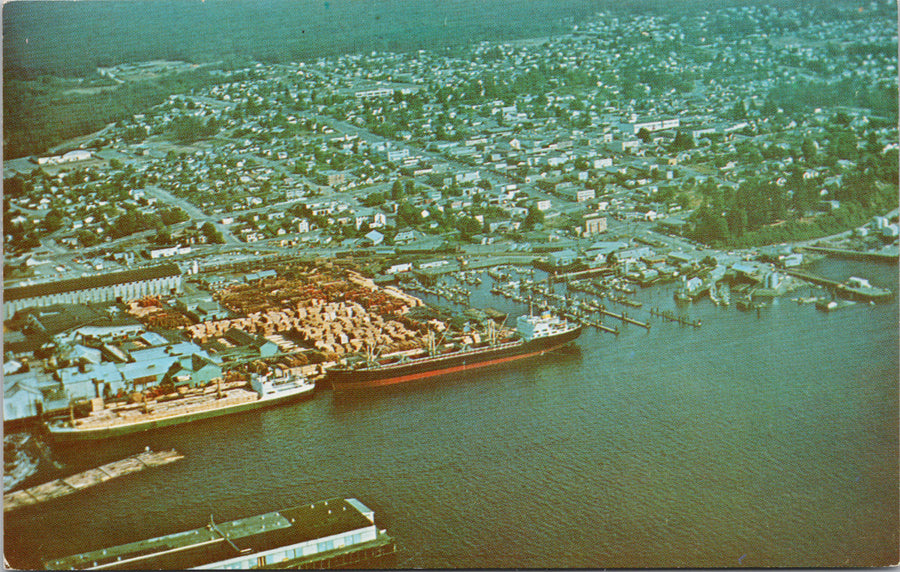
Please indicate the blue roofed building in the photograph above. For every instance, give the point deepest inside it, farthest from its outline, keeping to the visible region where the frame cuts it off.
(193, 370)
(92, 380)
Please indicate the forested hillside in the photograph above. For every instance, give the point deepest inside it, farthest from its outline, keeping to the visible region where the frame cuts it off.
(52, 50)
(47, 43)
(74, 38)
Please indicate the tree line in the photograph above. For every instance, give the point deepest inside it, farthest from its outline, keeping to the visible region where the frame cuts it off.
(40, 114)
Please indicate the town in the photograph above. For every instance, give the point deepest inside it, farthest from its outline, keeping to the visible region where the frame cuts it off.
(643, 149)
(539, 283)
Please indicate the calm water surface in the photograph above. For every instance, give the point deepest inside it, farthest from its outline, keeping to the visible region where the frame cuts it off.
(756, 440)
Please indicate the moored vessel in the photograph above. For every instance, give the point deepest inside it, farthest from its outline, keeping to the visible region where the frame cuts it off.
(203, 403)
(859, 289)
(534, 335)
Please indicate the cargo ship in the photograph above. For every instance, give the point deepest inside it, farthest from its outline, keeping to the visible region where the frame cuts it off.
(534, 335)
(203, 403)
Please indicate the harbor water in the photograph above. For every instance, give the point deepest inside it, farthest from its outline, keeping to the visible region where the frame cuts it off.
(759, 439)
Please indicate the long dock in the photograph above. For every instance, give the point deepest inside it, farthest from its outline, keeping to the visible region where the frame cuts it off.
(624, 317)
(815, 279)
(89, 478)
(607, 329)
(854, 254)
(671, 317)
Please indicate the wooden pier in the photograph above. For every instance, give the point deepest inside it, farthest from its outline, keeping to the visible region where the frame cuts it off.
(844, 290)
(584, 321)
(89, 478)
(625, 301)
(815, 279)
(671, 317)
(604, 328)
(624, 317)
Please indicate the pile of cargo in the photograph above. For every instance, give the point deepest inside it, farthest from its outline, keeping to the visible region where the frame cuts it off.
(331, 286)
(331, 327)
(335, 312)
(341, 328)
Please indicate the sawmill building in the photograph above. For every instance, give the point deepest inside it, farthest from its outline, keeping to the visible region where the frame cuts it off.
(126, 285)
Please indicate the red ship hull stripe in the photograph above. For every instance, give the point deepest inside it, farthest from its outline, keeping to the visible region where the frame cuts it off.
(432, 373)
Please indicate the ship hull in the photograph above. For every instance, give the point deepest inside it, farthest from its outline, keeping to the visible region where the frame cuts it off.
(360, 379)
(65, 434)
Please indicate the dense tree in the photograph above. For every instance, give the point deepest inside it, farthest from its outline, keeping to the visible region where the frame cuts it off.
(374, 199)
(163, 237)
(87, 238)
(53, 220)
(683, 141)
(809, 149)
(36, 117)
(407, 214)
(468, 226)
(739, 111)
(189, 128)
(212, 234)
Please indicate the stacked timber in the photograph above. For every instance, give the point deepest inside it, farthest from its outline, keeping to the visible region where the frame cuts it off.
(75, 483)
(335, 311)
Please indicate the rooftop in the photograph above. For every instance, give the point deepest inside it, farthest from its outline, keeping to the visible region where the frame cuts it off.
(87, 282)
(59, 318)
(217, 542)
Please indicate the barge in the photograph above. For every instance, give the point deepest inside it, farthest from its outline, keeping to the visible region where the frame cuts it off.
(336, 533)
(535, 335)
(206, 403)
(89, 478)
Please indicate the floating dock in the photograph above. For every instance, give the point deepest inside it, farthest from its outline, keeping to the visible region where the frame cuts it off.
(89, 478)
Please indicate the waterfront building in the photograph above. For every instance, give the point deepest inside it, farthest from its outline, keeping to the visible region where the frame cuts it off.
(29, 393)
(23, 392)
(562, 258)
(327, 534)
(126, 285)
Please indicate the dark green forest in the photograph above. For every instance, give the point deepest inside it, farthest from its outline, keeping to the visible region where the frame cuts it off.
(73, 38)
(46, 43)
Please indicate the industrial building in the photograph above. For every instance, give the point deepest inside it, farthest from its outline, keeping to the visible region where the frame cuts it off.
(332, 533)
(127, 285)
(27, 394)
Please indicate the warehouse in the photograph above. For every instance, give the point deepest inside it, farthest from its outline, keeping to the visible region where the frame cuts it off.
(127, 285)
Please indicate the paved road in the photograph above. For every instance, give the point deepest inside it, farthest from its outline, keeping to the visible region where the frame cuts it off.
(194, 212)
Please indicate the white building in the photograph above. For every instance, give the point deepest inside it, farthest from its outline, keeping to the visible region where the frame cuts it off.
(127, 285)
